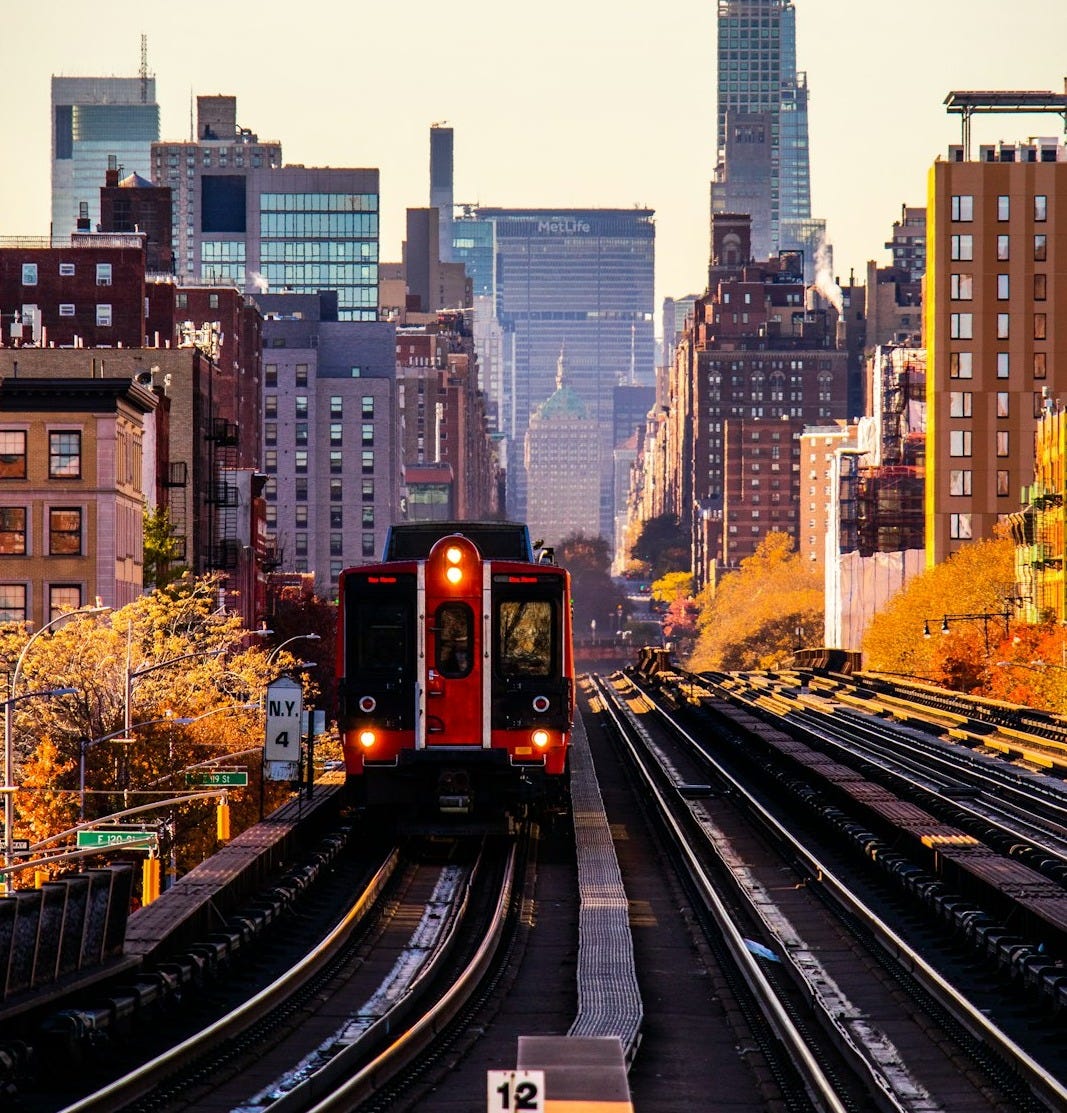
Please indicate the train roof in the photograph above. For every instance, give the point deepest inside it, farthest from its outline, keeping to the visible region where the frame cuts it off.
(494, 540)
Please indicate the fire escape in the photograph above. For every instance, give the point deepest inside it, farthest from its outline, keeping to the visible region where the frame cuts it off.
(224, 540)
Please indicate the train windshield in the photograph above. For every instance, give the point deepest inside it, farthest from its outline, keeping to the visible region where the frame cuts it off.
(525, 637)
(382, 634)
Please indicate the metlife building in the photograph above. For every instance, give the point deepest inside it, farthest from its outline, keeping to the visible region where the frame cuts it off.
(577, 281)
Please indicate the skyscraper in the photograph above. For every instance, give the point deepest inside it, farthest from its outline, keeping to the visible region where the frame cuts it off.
(582, 278)
(762, 156)
(92, 118)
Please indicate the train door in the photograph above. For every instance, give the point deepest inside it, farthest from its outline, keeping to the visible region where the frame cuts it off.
(455, 646)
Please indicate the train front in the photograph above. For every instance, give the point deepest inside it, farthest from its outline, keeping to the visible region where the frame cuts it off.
(456, 684)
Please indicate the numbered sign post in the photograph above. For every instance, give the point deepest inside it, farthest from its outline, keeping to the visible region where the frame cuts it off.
(510, 1091)
(281, 747)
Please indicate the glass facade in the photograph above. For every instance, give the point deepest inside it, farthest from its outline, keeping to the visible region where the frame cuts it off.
(93, 118)
(322, 240)
(758, 78)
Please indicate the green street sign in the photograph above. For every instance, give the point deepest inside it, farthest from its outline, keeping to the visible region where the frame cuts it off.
(114, 837)
(224, 778)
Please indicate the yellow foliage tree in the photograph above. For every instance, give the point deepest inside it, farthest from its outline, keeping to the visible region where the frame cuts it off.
(751, 620)
(976, 581)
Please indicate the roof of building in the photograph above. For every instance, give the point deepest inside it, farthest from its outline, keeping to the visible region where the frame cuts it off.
(135, 181)
(564, 403)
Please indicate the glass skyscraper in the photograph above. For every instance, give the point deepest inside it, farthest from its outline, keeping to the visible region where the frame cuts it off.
(762, 163)
(578, 281)
(92, 119)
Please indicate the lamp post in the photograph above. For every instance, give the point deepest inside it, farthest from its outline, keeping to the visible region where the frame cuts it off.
(9, 716)
(984, 618)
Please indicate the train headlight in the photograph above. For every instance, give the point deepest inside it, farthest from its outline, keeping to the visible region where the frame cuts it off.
(454, 558)
(540, 738)
(367, 738)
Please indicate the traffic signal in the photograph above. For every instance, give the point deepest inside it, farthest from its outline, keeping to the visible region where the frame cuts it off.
(222, 822)
(149, 880)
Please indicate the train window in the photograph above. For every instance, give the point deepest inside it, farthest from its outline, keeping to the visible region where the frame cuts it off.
(382, 635)
(524, 632)
(453, 639)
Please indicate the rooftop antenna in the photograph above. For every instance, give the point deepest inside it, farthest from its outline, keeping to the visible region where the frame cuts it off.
(144, 69)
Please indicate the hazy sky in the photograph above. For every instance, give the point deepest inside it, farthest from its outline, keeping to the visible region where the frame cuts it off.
(579, 103)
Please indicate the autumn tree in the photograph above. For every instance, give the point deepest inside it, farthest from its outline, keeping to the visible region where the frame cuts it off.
(663, 546)
(596, 598)
(194, 679)
(163, 551)
(906, 636)
(750, 621)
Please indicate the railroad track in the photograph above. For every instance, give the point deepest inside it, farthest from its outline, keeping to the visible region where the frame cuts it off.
(816, 938)
(357, 1009)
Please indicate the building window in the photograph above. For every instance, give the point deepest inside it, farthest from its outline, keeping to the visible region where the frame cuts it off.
(368, 517)
(336, 493)
(300, 488)
(300, 517)
(961, 326)
(12, 531)
(1003, 287)
(959, 482)
(1040, 326)
(213, 301)
(962, 207)
(1040, 287)
(1003, 207)
(270, 516)
(1002, 442)
(336, 462)
(29, 274)
(336, 544)
(270, 375)
(1003, 365)
(335, 569)
(13, 454)
(65, 455)
(961, 287)
(1040, 207)
(301, 461)
(959, 442)
(270, 405)
(960, 527)
(103, 274)
(1003, 326)
(336, 407)
(270, 432)
(959, 403)
(367, 406)
(1040, 248)
(300, 432)
(65, 531)
(66, 309)
(356, 372)
(367, 460)
(270, 489)
(1040, 365)
(336, 433)
(337, 517)
(961, 248)
(368, 434)
(270, 461)
(1003, 483)
(959, 365)
(1003, 248)
(301, 406)
(103, 316)
(301, 544)
(63, 598)
(1002, 403)
(12, 602)
(367, 544)
(301, 373)
(368, 490)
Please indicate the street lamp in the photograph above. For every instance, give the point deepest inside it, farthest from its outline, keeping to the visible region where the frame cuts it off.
(295, 638)
(984, 618)
(9, 717)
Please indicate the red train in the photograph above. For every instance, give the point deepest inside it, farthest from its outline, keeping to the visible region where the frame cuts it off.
(456, 674)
